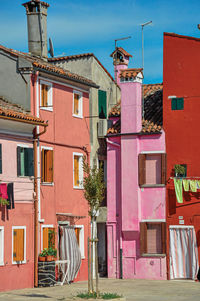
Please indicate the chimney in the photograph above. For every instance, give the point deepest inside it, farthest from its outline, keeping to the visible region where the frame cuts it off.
(120, 61)
(131, 100)
(36, 12)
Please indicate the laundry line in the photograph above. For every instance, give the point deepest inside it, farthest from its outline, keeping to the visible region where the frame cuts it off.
(184, 177)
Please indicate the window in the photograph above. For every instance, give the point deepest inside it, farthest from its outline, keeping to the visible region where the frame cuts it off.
(46, 96)
(177, 103)
(102, 100)
(1, 245)
(25, 161)
(152, 238)
(47, 165)
(19, 244)
(78, 170)
(152, 169)
(0, 158)
(48, 237)
(79, 231)
(77, 104)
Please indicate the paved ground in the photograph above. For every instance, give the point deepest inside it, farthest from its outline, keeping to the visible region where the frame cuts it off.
(133, 290)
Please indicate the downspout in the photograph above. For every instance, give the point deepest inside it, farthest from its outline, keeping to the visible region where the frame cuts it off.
(120, 233)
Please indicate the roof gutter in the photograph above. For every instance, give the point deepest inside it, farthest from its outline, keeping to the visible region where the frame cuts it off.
(67, 77)
(23, 120)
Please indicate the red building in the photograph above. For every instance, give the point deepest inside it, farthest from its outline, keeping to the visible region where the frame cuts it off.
(181, 105)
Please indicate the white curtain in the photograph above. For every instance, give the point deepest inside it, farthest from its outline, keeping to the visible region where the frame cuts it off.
(183, 252)
(69, 249)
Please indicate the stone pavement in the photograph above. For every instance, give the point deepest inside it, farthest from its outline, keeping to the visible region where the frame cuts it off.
(133, 290)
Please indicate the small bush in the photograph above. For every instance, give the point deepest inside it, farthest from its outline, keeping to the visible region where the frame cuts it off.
(105, 296)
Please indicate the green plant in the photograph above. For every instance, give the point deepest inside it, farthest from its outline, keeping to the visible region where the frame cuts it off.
(52, 252)
(4, 201)
(179, 169)
(51, 238)
(105, 296)
(44, 253)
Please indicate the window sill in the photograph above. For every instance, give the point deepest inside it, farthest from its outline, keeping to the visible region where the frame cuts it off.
(153, 255)
(19, 262)
(77, 187)
(77, 116)
(46, 109)
(152, 185)
(47, 184)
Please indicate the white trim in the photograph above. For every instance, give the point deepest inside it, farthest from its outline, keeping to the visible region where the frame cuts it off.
(25, 145)
(173, 96)
(81, 240)
(152, 152)
(153, 220)
(80, 104)
(178, 226)
(46, 147)
(2, 245)
(19, 227)
(67, 85)
(49, 95)
(80, 161)
(42, 227)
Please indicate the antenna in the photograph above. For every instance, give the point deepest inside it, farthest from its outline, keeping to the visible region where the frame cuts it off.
(51, 51)
(126, 38)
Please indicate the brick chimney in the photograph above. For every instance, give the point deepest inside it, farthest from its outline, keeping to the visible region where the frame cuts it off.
(36, 12)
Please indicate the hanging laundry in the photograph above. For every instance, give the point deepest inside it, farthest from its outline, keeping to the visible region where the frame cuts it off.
(193, 185)
(198, 184)
(178, 189)
(186, 185)
(3, 191)
(10, 192)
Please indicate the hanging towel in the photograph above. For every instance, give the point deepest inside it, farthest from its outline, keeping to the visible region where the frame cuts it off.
(3, 191)
(10, 192)
(186, 185)
(198, 184)
(178, 189)
(193, 185)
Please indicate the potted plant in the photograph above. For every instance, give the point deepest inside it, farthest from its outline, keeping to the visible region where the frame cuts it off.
(180, 170)
(42, 256)
(51, 254)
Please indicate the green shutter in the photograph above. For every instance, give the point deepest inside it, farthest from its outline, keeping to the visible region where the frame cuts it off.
(180, 103)
(102, 97)
(0, 158)
(28, 162)
(174, 104)
(19, 161)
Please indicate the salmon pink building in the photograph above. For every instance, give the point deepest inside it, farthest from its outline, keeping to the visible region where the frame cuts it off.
(136, 177)
(181, 101)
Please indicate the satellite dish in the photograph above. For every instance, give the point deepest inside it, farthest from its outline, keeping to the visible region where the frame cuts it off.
(51, 51)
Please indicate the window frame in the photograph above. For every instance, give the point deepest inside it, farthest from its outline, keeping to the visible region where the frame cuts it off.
(80, 104)
(106, 104)
(15, 228)
(80, 155)
(49, 106)
(143, 238)
(177, 103)
(81, 240)
(42, 165)
(42, 228)
(2, 245)
(24, 146)
(142, 168)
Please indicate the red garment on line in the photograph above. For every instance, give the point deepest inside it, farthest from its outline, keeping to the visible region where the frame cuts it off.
(3, 191)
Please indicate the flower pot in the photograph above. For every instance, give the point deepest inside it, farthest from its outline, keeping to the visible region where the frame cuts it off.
(50, 258)
(41, 258)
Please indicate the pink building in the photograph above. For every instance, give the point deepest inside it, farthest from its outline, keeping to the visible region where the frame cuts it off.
(136, 176)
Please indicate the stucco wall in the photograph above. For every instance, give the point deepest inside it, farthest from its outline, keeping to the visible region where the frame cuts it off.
(12, 85)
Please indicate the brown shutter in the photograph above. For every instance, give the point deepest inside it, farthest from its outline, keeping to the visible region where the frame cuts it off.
(18, 245)
(43, 166)
(45, 238)
(142, 169)
(163, 228)
(76, 104)
(77, 232)
(44, 101)
(76, 170)
(49, 166)
(143, 238)
(163, 168)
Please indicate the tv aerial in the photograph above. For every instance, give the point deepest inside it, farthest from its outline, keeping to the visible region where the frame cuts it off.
(51, 51)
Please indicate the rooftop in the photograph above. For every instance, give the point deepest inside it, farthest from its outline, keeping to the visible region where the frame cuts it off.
(124, 52)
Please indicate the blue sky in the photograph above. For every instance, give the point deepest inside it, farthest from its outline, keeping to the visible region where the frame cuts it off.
(92, 26)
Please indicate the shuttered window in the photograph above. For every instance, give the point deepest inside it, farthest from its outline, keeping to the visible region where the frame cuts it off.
(78, 171)
(44, 95)
(177, 103)
(152, 169)
(77, 232)
(47, 165)
(152, 238)
(0, 158)
(25, 162)
(102, 104)
(77, 104)
(48, 237)
(18, 245)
